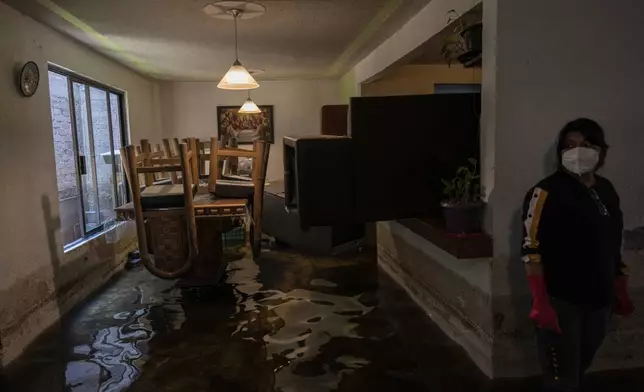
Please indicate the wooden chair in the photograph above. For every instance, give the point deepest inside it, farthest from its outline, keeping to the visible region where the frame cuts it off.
(171, 150)
(153, 152)
(252, 190)
(164, 214)
(204, 156)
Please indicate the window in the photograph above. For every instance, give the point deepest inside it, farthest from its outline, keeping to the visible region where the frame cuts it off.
(450, 88)
(88, 126)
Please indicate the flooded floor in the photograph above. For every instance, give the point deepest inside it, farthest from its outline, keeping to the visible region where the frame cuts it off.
(287, 322)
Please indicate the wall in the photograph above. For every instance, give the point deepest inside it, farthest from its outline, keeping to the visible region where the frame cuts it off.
(583, 60)
(38, 281)
(190, 109)
(348, 87)
(588, 68)
(419, 79)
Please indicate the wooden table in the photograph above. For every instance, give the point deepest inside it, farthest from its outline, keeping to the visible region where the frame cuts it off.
(214, 216)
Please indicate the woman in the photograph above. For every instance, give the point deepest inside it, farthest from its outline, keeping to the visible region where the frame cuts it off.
(572, 252)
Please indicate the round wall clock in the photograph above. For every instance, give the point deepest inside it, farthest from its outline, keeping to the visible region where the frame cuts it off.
(29, 79)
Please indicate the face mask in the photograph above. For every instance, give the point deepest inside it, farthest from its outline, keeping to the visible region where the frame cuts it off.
(580, 160)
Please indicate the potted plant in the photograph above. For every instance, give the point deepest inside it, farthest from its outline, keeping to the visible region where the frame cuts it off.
(463, 207)
(465, 44)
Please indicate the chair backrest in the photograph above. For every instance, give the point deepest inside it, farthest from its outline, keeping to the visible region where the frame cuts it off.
(142, 164)
(154, 151)
(205, 152)
(219, 153)
(169, 153)
(147, 158)
(259, 154)
(193, 147)
(170, 150)
(204, 157)
(171, 147)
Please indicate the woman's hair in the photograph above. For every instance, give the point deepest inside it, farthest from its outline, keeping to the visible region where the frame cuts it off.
(592, 132)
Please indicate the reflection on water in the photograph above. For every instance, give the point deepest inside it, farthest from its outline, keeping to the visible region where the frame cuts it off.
(303, 321)
(112, 360)
(291, 326)
(285, 323)
(114, 357)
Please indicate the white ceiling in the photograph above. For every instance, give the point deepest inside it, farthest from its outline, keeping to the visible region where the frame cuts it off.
(175, 40)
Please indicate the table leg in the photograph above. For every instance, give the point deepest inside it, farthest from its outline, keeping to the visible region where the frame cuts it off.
(209, 267)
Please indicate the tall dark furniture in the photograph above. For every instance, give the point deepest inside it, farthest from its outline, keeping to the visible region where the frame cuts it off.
(390, 167)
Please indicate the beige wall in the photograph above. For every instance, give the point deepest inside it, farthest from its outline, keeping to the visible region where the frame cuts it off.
(38, 281)
(190, 109)
(348, 87)
(419, 79)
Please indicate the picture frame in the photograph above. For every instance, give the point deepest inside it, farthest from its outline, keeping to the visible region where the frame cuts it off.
(244, 127)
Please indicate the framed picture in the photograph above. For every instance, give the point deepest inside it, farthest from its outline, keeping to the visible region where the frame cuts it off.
(245, 127)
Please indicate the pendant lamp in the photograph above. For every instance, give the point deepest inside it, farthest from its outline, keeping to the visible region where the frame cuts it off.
(249, 107)
(237, 77)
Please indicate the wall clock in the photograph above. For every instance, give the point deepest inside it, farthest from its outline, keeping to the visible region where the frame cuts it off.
(29, 79)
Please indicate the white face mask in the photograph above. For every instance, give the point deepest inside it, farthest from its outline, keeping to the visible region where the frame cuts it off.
(580, 160)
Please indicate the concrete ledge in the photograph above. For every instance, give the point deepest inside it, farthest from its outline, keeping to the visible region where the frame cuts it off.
(453, 292)
(491, 321)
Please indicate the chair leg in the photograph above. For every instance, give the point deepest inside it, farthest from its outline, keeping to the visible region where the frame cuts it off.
(255, 249)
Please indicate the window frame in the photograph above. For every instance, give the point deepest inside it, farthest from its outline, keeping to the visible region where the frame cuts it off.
(72, 78)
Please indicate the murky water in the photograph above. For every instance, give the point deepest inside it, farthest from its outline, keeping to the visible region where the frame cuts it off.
(287, 322)
(300, 322)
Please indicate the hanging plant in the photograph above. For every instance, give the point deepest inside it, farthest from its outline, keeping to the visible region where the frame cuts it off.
(465, 44)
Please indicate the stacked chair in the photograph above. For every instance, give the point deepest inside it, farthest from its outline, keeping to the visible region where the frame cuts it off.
(164, 182)
(230, 185)
(164, 214)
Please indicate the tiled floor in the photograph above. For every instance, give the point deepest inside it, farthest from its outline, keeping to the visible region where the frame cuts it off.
(286, 323)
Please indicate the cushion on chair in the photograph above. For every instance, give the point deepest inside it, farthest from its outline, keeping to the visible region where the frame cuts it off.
(234, 189)
(164, 196)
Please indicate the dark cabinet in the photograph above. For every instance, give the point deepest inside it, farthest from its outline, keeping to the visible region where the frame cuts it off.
(391, 165)
(335, 120)
(318, 179)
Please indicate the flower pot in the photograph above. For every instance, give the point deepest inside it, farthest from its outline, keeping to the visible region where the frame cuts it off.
(473, 37)
(473, 42)
(463, 218)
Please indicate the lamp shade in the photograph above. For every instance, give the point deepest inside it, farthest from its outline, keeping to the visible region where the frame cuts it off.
(249, 107)
(238, 78)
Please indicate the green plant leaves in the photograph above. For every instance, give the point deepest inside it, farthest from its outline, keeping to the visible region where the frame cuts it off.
(462, 188)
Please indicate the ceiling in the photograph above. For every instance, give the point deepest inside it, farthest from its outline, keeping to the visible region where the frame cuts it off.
(175, 40)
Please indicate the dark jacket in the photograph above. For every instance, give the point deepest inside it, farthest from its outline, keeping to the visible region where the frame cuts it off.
(576, 232)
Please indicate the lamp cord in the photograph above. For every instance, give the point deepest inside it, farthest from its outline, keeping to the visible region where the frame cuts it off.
(236, 51)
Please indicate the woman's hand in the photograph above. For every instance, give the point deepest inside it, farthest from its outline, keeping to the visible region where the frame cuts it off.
(623, 305)
(545, 316)
(542, 311)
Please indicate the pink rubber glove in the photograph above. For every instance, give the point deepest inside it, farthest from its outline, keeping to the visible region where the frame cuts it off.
(623, 304)
(542, 311)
